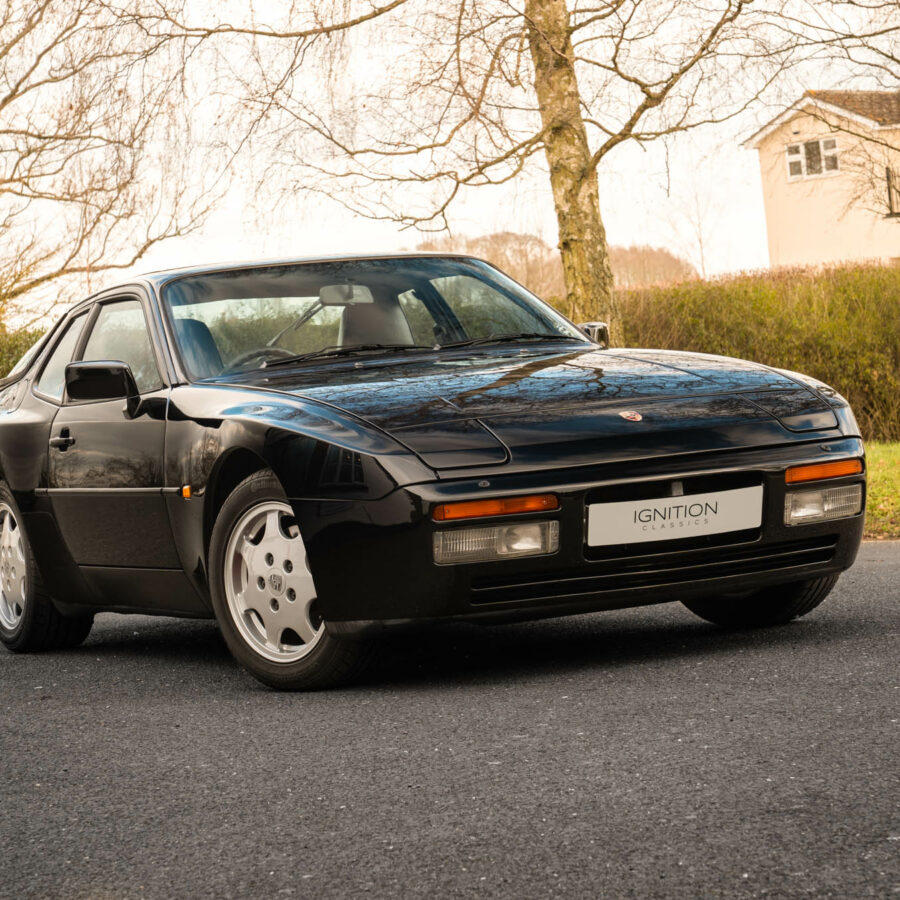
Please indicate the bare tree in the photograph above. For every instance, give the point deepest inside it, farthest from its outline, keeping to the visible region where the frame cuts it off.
(871, 160)
(865, 34)
(525, 257)
(396, 107)
(645, 266)
(430, 100)
(93, 166)
(693, 215)
(860, 40)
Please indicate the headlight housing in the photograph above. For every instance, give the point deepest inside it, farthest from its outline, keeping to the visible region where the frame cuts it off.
(484, 543)
(822, 504)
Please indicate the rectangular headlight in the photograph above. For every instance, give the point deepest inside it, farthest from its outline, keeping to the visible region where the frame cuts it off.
(822, 505)
(509, 541)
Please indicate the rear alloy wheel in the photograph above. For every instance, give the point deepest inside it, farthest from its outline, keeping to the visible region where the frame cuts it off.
(28, 619)
(770, 606)
(13, 569)
(264, 594)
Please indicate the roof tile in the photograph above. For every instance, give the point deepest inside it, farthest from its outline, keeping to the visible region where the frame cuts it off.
(880, 106)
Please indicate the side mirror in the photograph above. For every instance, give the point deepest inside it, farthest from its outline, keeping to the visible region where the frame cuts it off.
(597, 332)
(102, 379)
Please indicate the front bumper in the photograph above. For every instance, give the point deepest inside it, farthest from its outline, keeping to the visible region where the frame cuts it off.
(374, 568)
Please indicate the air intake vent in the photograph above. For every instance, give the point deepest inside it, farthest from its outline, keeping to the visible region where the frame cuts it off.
(658, 570)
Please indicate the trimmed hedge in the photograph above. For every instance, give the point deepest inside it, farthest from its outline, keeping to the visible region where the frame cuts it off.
(13, 345)
(840, 325)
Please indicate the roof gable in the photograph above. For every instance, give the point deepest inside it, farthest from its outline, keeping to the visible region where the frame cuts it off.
(874, 109)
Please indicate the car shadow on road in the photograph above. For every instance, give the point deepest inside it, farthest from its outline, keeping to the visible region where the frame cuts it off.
(600, 641)
(158, 639)
(597, 641)
(461, 653)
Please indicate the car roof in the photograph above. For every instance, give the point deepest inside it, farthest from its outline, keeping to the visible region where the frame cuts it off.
(161, 276)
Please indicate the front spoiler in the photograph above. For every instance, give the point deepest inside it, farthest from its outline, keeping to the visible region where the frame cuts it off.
(847, 544)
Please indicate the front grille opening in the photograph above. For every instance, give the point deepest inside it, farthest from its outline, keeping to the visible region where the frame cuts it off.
(655, 570)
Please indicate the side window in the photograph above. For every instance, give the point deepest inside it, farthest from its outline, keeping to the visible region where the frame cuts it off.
(120, 332)
(53, 379)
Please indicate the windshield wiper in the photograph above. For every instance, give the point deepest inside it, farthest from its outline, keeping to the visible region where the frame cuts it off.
(302, 319)
(326, 352)
(508, 338)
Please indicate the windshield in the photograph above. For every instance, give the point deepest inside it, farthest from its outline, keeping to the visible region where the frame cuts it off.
(227, 322)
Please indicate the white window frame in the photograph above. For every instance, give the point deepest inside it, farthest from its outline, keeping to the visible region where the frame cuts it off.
(801, 158)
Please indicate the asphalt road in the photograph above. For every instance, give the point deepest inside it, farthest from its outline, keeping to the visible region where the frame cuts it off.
(632, 754)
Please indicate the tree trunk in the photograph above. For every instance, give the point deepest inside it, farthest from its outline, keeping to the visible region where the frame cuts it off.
(582, 237)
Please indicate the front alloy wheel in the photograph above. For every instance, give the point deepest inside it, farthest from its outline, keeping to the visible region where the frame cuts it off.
(270, 590)
(264, 594)
(774, 605)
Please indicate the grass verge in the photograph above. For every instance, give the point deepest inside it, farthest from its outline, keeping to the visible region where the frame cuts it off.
(883, 504)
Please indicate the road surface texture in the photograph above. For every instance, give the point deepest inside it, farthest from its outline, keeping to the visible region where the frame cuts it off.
(638, 754)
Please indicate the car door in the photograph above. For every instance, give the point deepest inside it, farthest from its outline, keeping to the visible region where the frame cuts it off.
(105, 467)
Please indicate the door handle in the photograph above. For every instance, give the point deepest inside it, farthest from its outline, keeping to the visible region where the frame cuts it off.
(64, 441)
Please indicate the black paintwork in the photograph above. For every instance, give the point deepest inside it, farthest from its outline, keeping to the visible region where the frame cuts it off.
(364, 447)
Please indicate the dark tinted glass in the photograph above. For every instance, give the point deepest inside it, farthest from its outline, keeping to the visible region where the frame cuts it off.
(120, 332)
(228, 321)
(813, 158)
(53, 378)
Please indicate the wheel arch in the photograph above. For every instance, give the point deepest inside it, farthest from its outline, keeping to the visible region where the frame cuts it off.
(229, 471)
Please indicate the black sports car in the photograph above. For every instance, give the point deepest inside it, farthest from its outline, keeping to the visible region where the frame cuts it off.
(316, 452)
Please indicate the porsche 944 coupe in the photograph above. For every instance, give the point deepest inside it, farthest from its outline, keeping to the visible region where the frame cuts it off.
(316, 452)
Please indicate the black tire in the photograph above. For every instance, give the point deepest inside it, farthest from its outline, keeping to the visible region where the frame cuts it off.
(38, 624)
(770, 606)
(331, 662)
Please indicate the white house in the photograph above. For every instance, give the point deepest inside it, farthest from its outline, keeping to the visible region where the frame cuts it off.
(830, 167)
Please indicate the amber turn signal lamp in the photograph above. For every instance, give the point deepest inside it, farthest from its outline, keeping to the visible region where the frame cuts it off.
(186, 492)
(818, 471)
(477, 509)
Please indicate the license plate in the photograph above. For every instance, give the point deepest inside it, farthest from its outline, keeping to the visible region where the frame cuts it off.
(673, 518)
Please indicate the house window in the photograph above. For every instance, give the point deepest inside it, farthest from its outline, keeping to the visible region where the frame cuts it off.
(893, 191)
(812, 158)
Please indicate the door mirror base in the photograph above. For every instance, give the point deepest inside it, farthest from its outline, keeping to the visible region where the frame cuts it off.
(597, 332)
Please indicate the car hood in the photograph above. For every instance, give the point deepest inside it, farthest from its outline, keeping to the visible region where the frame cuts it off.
(535, 406)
